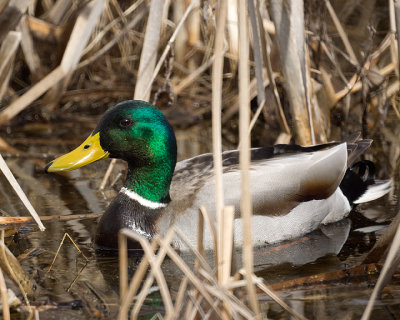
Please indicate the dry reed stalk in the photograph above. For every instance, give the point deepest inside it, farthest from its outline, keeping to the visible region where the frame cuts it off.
(149, 50)
(290, 38)
(236, 308)
(155, 263)
(4, 297)
(244, 157)
(58, 11)
(180, 296)
(155, 271)
(14, 270)
(217, 70)
(277, 299)
(212, 229)
(134, 284)
(386, 273)
(123, 265)
(225, 295)
(78, 39)
(255, 26)
(30, 53)
(10, 177)
(200, 237)
(397, 20)
(200, 258)
(342, 34)
(392, 35)
(194, 33)
(43, 30)
(104, 49)
(227, 243)
(190, 275)
(234, 108)
(20, 220)
(233, 33)
(101, 34)
(10, 15)
(169, 45)
(7, 55)
(184, 83)
(181, 42)
(390, 91)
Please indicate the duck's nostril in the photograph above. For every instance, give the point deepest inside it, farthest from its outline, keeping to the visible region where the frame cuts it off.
(86, 147)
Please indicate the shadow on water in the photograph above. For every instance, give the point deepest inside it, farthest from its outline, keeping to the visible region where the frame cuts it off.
(76, 288)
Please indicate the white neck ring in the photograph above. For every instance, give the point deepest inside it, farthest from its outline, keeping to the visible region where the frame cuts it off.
(144, 202)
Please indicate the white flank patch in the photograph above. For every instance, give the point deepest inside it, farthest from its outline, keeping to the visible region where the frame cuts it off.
(144, 202)
(374, 192)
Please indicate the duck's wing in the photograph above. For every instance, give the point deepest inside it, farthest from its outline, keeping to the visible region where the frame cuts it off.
(278, 183)
(190, 174)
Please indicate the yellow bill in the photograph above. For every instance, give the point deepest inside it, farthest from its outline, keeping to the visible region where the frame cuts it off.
(88, 152)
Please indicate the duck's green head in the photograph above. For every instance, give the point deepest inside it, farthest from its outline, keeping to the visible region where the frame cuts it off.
(134, 131)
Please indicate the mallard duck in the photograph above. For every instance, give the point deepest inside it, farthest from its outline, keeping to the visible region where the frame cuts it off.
(294, 189)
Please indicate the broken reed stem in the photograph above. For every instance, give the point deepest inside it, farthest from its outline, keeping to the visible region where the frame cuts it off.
(123, 265)
(4, 297)
(244, 157)
(200, 237)
(391, 256)
(217, 71)
(11, 179)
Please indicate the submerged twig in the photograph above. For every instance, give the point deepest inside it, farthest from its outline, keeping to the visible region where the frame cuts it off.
(59, 248)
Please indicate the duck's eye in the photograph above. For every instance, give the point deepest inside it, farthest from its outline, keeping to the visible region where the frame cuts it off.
(125, 122)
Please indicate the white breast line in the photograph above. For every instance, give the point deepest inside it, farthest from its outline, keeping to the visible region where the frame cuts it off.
(144, 202)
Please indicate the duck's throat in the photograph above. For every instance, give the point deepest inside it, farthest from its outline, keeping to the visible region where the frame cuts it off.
(148, 186)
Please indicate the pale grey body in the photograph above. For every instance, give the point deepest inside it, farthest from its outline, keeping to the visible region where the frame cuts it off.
(281, 188)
